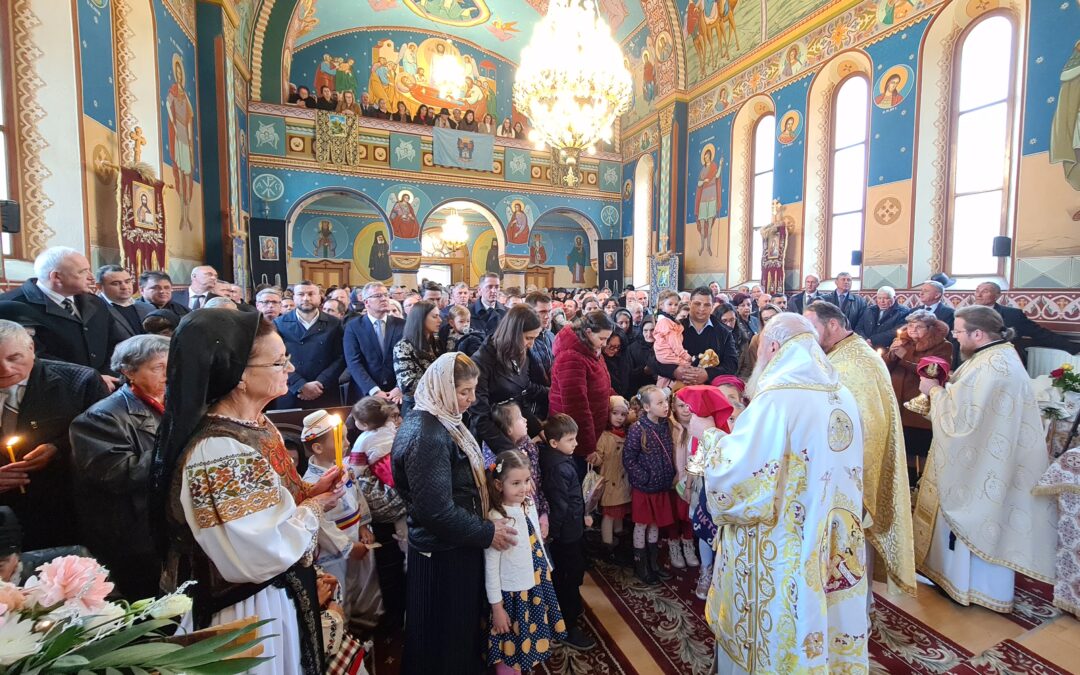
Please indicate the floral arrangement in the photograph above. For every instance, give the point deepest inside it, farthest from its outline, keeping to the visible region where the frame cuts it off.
(1065, 378)
(59, 621)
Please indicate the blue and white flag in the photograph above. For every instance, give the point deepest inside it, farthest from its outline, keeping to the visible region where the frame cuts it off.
(463, 149)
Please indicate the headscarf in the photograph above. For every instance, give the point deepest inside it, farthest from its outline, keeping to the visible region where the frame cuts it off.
(436, 394)
(731, 380)
(620, 365)
(707, 401)
(207, 358)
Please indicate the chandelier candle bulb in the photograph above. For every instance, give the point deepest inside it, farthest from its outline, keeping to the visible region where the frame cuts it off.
(10, 443)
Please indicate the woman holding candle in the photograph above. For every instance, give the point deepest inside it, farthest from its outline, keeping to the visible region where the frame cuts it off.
(112, 446)
(238, 519)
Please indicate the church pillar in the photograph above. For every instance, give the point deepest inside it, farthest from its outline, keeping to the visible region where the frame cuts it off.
(671, 193)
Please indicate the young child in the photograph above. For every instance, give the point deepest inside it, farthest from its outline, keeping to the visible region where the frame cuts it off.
(508, 418)
(567, 522)
(459, 321)
(667, 335)
(681, 545)
(525, 616)
(347, 559)
(373, 416)
(609, 451)
(648, 456)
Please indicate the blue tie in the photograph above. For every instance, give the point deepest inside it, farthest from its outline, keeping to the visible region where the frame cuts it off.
(379, 333)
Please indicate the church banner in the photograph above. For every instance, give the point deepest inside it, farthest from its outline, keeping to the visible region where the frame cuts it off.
(517, 165)
(609, 263)
(463, 149)
(266, 243)
(337, 139)
(142, 221)
(404, 152)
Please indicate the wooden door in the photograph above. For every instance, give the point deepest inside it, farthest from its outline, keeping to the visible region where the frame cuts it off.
(326, 273)
(541, 277)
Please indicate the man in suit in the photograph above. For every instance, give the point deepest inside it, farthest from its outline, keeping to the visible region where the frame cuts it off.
(74, 325)
(486, 311)
(268, 302)
(809, 294)
(848, 301)
(459, 295)
(115, 288)
(932, 299)
(314, 340)
(700, 333)
(1028, 333)
(40, 399)
(156, 290)
(369, 346)
(201, 288)
(882, 319)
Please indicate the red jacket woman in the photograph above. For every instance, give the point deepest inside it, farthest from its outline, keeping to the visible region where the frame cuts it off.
(580, 384)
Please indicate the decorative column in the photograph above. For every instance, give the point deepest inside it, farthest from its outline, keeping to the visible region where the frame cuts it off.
(667, 122)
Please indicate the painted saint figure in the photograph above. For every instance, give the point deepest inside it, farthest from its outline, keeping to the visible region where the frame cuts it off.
(517, 230)
(143, 215)
(891, 96)
(787, 135)
(577, 259)
(403, 221)
(707, 203)
(325, 245)
(491, 263)
(1065, 129)
(325, 76)
(181, 140)
(537, 252)
(379, 258)
(345, 78)
(648, 77)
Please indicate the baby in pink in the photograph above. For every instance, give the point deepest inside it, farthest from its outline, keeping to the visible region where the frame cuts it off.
(668, 335)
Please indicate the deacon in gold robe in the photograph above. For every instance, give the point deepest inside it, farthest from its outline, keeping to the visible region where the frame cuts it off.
(785, 489)
(976, 519)
(886, 493)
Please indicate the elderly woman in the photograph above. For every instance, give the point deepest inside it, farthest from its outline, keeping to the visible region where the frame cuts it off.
(641, 354)
(580, 384)
(923, 334)
(238, 519)
(624, 320)
(619, 365)
(416, 350)
(881, 320)
(439, 472)
(112, 447)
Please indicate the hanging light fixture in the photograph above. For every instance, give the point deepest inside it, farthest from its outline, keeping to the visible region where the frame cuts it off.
(572, 83)
(448, 74)
(454, 233)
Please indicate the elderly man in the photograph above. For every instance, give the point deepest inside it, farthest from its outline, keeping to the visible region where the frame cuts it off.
(849, 302)
(155, 289)
(116, 289)
(314, 341)
(700, 334)
(73, 324)
(200, 289)
(268, 302)
(882, 319)
(931, 298)
(886, 494)
(396, 293)
(41, 398)
(487, 312)
(1028, 333)
(801, 301)
(369, 346)
(785, 488)
(977, 522)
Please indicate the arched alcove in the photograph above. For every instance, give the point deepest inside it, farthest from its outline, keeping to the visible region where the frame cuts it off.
(339, 226)
(483, 251)
(643, 219)
(562, 250)
(741, 209)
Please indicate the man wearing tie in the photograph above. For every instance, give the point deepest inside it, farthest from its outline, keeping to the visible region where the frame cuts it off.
(203, 280)
(486, 311)
(116, 289)
(931, 297)
(73, 324)
(809, 294)
(40, 400)
(369, 346)
(849, 302)
(314, 341)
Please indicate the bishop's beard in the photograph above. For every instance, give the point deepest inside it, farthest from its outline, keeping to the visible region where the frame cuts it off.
(752, 382)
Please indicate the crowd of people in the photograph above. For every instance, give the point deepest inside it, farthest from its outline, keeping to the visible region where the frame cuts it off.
(456, 499)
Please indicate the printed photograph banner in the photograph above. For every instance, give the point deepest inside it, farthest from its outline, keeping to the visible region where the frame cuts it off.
(404, 152)
(266, 243)
(142, 222)
(463, 149)
(517, 165)
(609, 264)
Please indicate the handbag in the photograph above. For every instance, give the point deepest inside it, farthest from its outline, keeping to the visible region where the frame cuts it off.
(592, 489)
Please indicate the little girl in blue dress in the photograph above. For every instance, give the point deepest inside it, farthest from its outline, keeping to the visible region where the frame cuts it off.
(525, 617)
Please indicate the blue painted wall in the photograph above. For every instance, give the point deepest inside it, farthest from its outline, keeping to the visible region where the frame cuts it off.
(173, 41)
(96, 59)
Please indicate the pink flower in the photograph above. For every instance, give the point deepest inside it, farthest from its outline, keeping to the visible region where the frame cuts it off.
(1057, 373)
(75, 582)
(11, 598)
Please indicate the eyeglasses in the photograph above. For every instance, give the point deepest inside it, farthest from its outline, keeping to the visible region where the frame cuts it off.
(280, 365)
(377, 296)
(957, 332)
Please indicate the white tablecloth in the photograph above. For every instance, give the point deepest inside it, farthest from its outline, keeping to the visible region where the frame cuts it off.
(1040, 360)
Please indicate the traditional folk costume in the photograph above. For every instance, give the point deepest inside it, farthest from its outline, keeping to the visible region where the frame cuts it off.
(1062, 480)
(789, 582)
(976, 519)
(886, 494)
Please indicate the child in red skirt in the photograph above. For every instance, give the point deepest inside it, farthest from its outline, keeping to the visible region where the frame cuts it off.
(681, 544)
(648, 456)
(608, 457)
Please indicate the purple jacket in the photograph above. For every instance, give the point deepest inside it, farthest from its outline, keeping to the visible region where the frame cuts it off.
(648, 456)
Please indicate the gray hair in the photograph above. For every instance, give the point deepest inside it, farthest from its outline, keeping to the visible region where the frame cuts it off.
(51, 258)
(844, 274)
(923, 316)
(887, 290)
(272, 290)
(133, 352)
(220, 302)
(936, 286)
(370, 287)
(99, 276)
(996, 286)
(786, 326)
(9, 330)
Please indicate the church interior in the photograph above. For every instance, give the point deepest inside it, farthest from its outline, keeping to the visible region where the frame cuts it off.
(732, 143)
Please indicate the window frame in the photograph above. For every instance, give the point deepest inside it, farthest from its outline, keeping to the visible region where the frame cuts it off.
(642, 240)
(831, 180)
(1008, 182)
(752, 232)
(8, 144)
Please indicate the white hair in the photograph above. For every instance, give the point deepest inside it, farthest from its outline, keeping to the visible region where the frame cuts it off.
(787, 325)
(220, 302)
(887, 290)
(133, 352)
(268, 291)
(50, 259)
(9, 330)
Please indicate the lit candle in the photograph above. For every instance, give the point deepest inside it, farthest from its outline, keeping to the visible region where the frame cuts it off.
(10, 443)
(338, 441)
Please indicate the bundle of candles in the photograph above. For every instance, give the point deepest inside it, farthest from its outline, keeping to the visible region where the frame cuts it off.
(11, 442)
(339, 440)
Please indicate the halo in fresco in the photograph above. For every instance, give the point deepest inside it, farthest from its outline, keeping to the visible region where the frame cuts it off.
(790, 127)
(893, 87)
(451, 12)
(405, 207)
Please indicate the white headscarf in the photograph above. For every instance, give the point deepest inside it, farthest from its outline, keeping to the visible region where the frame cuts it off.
(436, 394)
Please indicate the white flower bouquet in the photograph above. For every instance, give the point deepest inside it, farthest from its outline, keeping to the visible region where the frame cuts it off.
(59, 621)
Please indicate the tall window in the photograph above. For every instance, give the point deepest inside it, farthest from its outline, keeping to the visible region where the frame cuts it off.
(847, 181)
(8, 242)
(643, 197)
(761, 188)
(981, 142)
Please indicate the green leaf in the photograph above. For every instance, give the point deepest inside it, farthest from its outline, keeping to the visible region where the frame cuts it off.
(195, 654)
(142, 654)
(121, 638)
(229, 667)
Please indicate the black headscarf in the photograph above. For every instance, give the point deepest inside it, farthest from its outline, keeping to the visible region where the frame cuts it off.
(619, 366)
(207, 358)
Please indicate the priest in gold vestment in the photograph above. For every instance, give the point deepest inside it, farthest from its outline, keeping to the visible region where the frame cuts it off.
(976, 519)
(785, 489)
(886, 493)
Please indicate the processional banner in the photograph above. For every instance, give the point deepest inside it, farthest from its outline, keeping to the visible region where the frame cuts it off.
(337, 139)
(463, 149)
(141, 220)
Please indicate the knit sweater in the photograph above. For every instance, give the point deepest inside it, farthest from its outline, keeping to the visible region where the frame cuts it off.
(648, 456)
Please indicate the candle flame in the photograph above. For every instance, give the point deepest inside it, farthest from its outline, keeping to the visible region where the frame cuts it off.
(335, 420)
(12, 440)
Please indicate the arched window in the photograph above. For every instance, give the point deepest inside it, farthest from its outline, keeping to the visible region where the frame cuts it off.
(847, 177)
(643, 207)
(761, 188)
(981, 145)
(10, 244)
